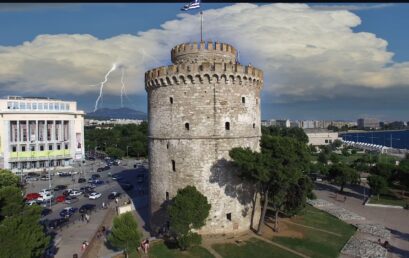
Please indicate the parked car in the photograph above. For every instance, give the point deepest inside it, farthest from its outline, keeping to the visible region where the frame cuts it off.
(32, 196)
(67, 212)
(67, 192)
(45, 212)
(81, 180)
(75, 193)
(60, 198)
(45, 197)
(45, 177)
(45, 191)
(33, 174)
(60, 187)
(98, 182)
(87, 207)
(107, 167)
(113, 195)
(92, 185)
(31, 178)
(94, 195)
(95, 176)
(100, 169)
(71, 199)
(56, 223)
(74, 172)
(32, 202)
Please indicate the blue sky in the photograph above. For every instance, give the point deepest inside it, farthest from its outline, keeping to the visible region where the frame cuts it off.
(342, 100)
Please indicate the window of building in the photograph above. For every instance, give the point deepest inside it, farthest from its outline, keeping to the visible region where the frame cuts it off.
(167, 145)
(243, 100)
(41, 147)
(173, 165)
(227, 126)
(9, 105)
(16, 105)
(22, 105)
(23, 148)
(171, 100)
(34, 106)
(40, 106)
(326, 141)
(50, 147)
(228, 216)
(14, 148)
(187, 126)
(50, 106)
(58, 147)
(67, 106)
(254, 125)
(167, 196)
(32, 148)
(66, 146)
(56, 106)
(28, 106)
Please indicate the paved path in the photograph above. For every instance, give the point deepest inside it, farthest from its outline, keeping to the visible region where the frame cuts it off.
(396, 220)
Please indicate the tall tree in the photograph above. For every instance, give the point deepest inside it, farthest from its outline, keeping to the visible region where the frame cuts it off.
(188, 210)
(378, 184)
(7, 178)
(125, 233)
(22, 236)
(342, 174)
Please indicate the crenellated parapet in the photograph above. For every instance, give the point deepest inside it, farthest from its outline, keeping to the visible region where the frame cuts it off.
(203, 52)
(227, 73)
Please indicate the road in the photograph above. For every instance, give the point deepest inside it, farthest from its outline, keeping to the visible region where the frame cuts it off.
(129, 175)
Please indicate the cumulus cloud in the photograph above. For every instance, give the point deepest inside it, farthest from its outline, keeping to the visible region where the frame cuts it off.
(304, 52)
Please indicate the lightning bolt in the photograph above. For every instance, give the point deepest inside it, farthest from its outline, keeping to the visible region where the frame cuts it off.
(102, 85)
(123, 92)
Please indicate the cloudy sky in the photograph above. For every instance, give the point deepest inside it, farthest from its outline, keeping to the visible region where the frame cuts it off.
(338, 61)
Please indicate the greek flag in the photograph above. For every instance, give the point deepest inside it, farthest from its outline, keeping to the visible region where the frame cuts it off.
(192, 5)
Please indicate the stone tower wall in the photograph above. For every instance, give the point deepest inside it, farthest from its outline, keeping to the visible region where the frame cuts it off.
(205, 95)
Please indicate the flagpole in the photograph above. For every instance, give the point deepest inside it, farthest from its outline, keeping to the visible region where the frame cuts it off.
(201, 26)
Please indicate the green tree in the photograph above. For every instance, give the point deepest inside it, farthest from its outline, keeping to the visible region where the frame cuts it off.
(323, 158)
(342, 174)
(386, 170)
(7, 178)
(378, 184)
(188, 210)
(11, 201)
(125, 233)
(345, 152)
(336, 144)
(114, 152)
(22, 236)
(334, 158)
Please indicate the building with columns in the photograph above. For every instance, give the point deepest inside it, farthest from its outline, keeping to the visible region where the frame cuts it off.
(36, 133)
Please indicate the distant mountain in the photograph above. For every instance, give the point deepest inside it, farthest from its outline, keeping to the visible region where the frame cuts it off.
(116, 113)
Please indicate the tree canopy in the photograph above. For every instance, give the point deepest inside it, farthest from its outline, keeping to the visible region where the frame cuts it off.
(188, 210)
(377, 183)
(342, 174)
(7, 178)
(124, 233)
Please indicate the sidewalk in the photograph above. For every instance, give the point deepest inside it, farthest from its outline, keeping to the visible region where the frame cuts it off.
(396, 220)
(71, 237)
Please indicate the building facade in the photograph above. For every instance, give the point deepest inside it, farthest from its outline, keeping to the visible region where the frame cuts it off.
(368, 123)
(200, 108)
(36, 133)
(318, 137)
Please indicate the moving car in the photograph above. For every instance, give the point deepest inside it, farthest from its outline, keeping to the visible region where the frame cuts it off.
(68, 212)
(32, 196)
(94, 195)
(113, 195)
(71, 199)
(81, 180)
(59, 187)
(87, 207)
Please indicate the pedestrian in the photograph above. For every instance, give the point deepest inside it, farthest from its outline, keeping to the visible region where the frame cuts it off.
(82, 217)
(345, 198)
(87, 217)
(103, 205)
(116, 200)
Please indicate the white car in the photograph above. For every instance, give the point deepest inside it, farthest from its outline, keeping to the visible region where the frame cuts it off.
(32, 202)
(75, 193)
(45, 197)
(74, 172)
(94, 195)
(45, 191)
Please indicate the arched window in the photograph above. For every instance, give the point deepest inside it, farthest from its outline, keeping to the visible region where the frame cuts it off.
(173, 165)
(243, 100)
(254, 125)
(187, 126)
(227, 126)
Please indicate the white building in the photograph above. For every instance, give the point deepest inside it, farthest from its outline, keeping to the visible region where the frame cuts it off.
(319, 137)
(283, 123)
(36, 133)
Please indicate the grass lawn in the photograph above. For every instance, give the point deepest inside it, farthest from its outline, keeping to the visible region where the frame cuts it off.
(252, 248)
(160, 250)
(388, 199)
(316, 243)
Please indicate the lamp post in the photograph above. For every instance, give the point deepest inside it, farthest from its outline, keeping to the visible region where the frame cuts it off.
(127, 147)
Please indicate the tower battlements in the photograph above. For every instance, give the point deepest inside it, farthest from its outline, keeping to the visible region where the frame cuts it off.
(204, 51)
(199, 73)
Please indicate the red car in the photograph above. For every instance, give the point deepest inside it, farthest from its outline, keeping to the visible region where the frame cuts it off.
(32, 196)
(60, 198)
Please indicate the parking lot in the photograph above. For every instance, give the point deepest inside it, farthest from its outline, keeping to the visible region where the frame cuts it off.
(131, 182)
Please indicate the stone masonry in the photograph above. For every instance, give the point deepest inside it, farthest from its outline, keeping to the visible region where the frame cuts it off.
(200, 108)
